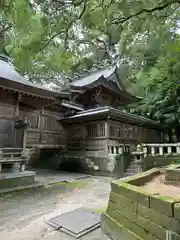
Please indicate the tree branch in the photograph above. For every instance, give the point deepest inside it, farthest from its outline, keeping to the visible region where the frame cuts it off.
(67, 29)
(168, 15)
(5, 29)
(157, 8)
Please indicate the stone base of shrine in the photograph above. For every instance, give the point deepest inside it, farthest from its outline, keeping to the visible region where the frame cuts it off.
(12, 180)
(95, 165)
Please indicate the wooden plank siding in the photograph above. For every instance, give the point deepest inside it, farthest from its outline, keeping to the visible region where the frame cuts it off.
(43, 129)
(133, 133)
(100, 135)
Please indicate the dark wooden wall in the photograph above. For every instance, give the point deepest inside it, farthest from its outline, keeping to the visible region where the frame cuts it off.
(133, 133)
(7, 112)
(100, 135)
(44, 131)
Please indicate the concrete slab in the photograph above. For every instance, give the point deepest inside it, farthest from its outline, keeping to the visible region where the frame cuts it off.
(77, 222)
(23, 213)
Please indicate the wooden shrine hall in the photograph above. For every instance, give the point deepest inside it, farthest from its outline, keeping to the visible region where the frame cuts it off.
(86, 120)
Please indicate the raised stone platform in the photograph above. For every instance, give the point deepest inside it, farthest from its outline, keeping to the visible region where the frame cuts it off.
(12, 180)
(136, 212)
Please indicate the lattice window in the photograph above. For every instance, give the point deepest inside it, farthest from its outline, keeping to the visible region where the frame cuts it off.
(32, 118)
(95, 130)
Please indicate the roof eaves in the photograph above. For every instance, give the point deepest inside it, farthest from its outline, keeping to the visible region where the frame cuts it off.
(112, 112)
(72, 105)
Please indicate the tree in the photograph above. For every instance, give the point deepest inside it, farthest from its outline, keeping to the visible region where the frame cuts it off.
(56, 36)
(161, 81)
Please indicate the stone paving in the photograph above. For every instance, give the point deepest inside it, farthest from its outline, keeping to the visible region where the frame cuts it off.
(22, 214)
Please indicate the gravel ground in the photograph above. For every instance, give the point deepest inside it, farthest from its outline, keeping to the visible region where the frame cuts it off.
(22, 214)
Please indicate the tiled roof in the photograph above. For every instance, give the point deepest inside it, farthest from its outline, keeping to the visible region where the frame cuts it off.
(84, 81)
(9, 77)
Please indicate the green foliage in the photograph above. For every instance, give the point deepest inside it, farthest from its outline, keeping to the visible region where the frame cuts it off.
(46, 38)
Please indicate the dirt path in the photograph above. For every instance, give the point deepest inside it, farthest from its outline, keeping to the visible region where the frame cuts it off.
(22, 214)
(157, 186)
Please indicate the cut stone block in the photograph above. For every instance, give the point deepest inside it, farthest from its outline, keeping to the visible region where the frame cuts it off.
(132, 226)
(161, 219)
(145, 223)
(132, 192)
(177, 211)
(122, 201)
(116, 231)
(163, 204)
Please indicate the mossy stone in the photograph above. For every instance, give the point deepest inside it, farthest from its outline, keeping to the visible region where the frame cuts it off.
(161, 219)
(117, 231)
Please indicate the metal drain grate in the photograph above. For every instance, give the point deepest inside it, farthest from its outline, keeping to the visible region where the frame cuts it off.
(77, 222)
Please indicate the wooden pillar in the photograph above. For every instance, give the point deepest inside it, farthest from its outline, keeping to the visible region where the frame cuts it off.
(24, 141)
(107, 134)
(16, 114)
(16, 110)
(40, 125)
(107, 129)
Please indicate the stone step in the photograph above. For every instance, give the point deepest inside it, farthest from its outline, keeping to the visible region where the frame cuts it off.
(133, 172)
(134, 164)
(132, 168)
(128, 174)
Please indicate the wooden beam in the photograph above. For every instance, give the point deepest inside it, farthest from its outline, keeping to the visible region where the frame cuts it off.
(40, 125)
(16, 112)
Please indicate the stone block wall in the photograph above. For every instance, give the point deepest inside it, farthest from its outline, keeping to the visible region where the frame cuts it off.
(159, 161)
(173, 174)
(134, 214)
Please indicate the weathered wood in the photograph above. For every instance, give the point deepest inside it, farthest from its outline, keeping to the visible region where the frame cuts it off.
(121, 130)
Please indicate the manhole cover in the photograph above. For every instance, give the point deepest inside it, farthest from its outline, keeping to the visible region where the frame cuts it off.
(77, 222)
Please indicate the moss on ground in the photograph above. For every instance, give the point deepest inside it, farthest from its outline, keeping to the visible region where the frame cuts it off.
(48, 189)
(98, 210)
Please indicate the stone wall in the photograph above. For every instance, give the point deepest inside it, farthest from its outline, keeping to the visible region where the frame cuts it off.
(172, 174)
(101, 165)
(159, 161)
(134, 214)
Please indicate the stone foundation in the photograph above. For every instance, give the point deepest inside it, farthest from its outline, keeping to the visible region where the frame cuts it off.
(96, 163)
(11, 180)
(134, 213)
(88, 164)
